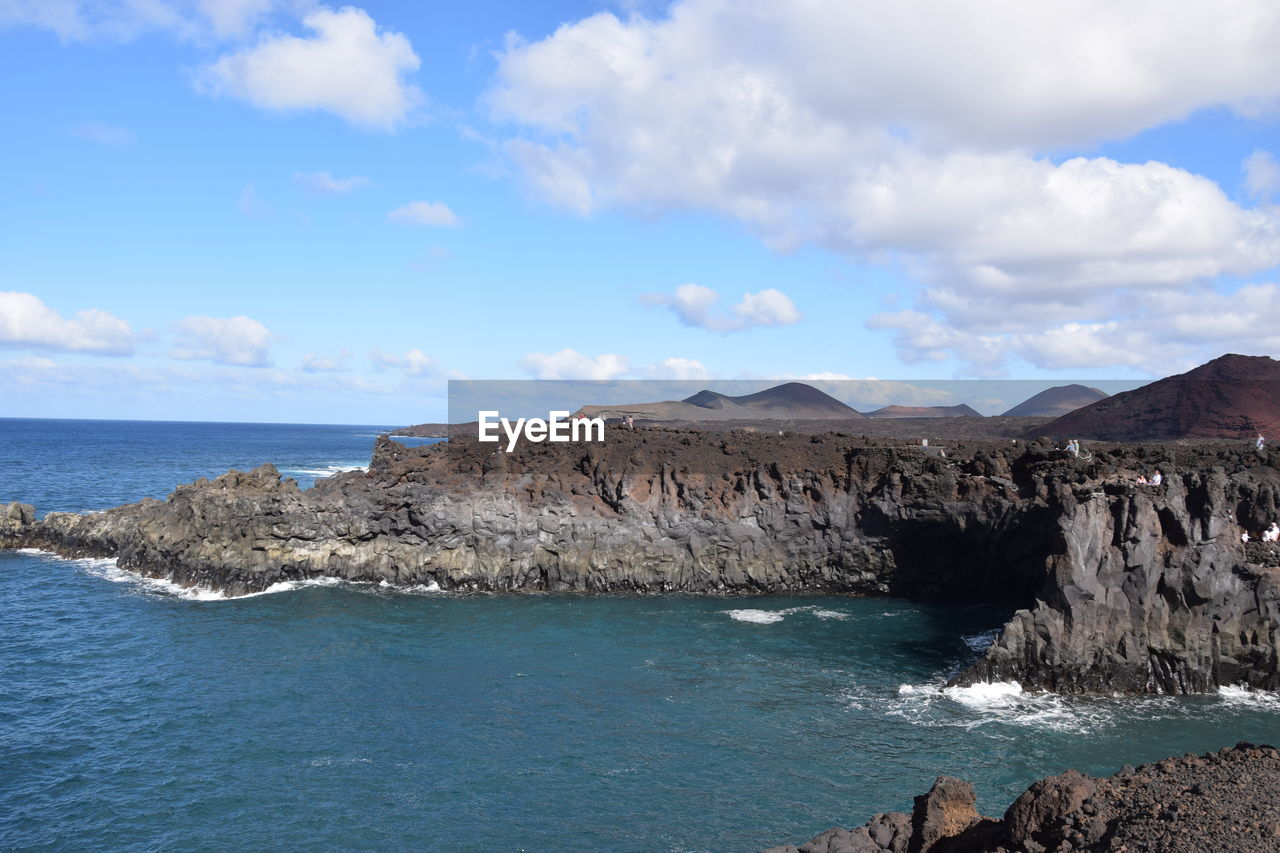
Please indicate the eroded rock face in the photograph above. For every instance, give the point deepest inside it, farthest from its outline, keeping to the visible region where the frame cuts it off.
(1222, 802)
(1123, 587)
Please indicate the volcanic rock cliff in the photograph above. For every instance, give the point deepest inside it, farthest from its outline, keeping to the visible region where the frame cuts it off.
(1116, 587)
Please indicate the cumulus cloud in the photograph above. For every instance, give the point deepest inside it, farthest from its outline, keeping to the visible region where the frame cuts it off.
(414, 363)
(322, 183)
(424, 213)
(27, 323)
(239, 341)
(1154, 333)
(346, 67)
(997, 74)
(678, 368)
(915, 131)
(1262, 174)
(570, 364)
(696, 305)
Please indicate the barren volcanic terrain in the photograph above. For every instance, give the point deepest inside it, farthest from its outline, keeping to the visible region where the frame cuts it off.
(1234, 396)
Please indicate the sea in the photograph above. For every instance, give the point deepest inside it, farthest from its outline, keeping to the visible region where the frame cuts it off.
(135, 715)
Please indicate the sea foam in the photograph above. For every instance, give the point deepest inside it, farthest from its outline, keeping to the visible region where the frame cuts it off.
(770, 617)
(760, 617)
(1242, 696)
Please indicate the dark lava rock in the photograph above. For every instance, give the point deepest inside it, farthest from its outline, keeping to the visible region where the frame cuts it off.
(1223, 802)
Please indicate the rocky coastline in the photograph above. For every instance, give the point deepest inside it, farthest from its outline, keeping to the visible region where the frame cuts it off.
(1112, 587)
(1220, 802)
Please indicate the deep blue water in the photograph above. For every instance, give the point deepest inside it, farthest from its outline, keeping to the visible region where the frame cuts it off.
(364, 718)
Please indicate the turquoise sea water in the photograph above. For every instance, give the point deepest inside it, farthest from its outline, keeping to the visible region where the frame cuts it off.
(359, 717)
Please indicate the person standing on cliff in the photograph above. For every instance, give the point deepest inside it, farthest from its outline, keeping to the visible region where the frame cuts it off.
(1261, 442)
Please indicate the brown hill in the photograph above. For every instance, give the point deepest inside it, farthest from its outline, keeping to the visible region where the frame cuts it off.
(1233, 396)
(789, 401)
(960, 411)
(1055, 402)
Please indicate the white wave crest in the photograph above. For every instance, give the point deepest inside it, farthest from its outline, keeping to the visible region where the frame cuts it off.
(770, 617)
(327, 471)
(985, 694)
(1245, 697)
(108, 569)
(995, 704)
(759, 617)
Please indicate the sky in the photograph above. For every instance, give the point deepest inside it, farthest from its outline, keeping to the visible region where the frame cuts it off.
(285, 210)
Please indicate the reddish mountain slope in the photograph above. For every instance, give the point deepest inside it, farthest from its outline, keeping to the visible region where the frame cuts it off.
(1234, 396)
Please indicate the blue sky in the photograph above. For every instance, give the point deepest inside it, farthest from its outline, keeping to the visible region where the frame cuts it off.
(286, 211)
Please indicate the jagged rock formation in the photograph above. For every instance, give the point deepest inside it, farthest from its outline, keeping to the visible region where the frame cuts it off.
(1119, 587)
(1233, 396)
(1223, 802)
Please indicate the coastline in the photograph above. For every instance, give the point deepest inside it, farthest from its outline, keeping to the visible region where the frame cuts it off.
(1113, 587)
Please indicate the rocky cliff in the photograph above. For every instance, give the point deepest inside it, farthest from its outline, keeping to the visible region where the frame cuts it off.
(1222, 802)
(1112, 586)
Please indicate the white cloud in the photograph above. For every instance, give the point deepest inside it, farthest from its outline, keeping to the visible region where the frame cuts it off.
(696, 305)
(322, 183)
(347, 67)
(916, 132)
(678, 368)
(240, 341)
(104, 134)
(315, 363)
(1002, 74)
(414, 363)
(1261, 174)
(1154, 333)
(423, 213)
(27, 323)
(569, 364)
(78, 20)
(123, 20)
(234, 17)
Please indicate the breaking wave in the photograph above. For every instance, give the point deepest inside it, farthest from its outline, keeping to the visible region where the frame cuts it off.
(770, 617)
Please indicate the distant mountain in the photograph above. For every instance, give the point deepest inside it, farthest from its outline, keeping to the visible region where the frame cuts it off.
(1055, 402)
(789, 401)
(1234, 396)
(960, 411)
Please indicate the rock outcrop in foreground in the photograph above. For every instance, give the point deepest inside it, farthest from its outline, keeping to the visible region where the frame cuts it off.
(1114, 587)
(1223, 802)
